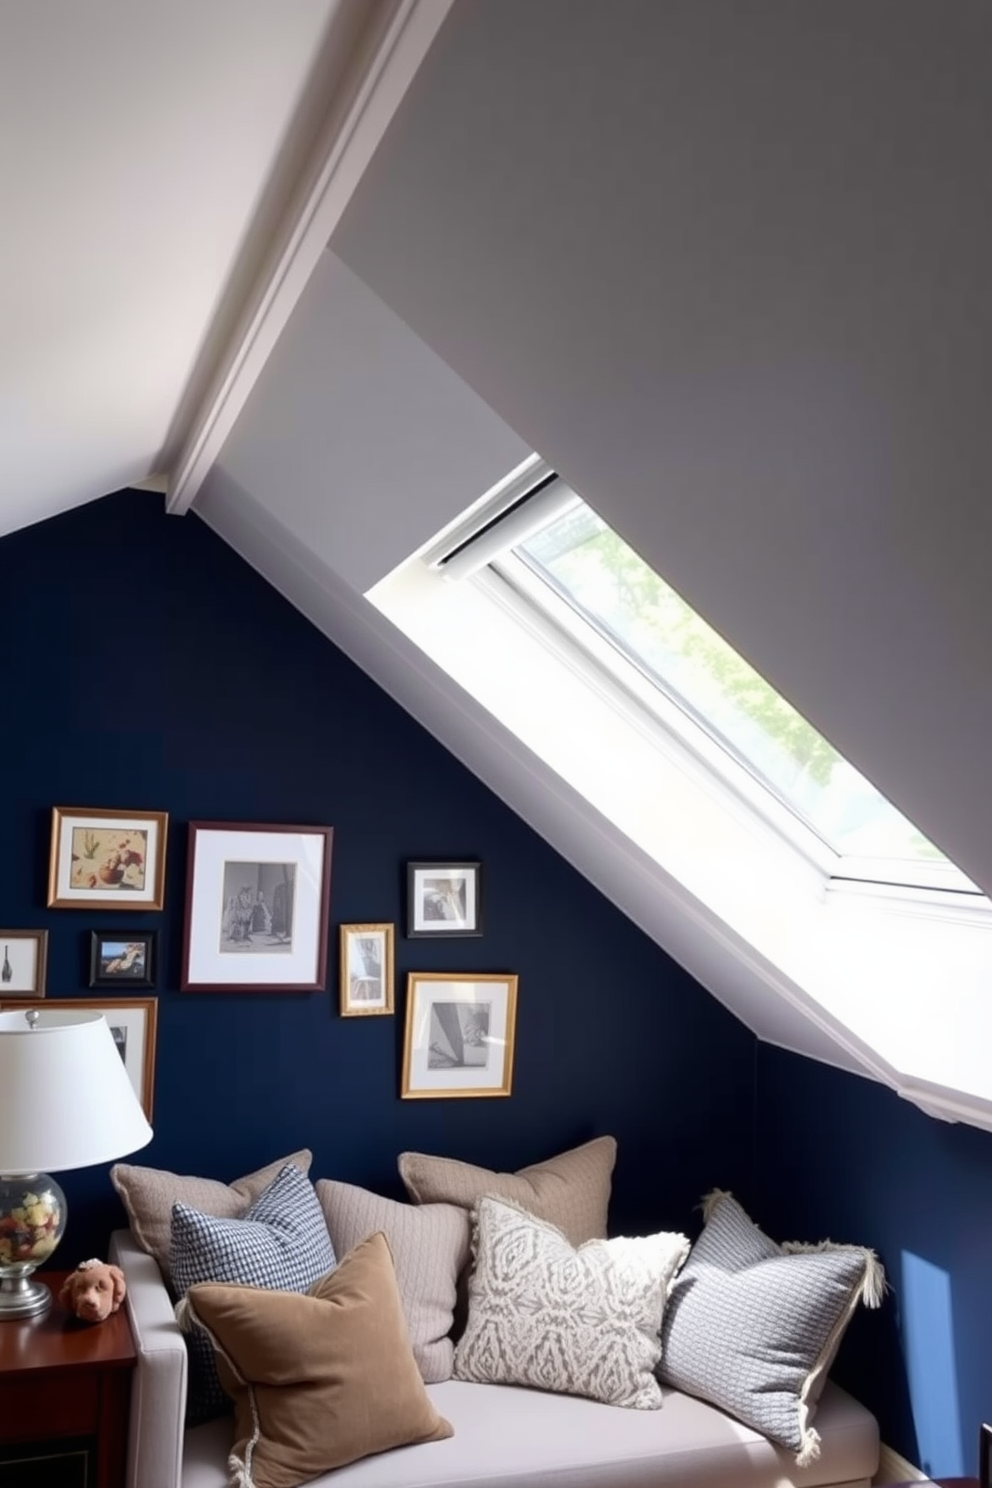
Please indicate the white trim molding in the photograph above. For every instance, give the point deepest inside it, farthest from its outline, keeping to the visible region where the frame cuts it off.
(395, 37)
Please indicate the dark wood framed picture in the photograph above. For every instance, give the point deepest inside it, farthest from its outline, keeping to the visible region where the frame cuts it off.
(103, 859)
(23, 958)
(443, 898)
(257, 905)
(118, 960)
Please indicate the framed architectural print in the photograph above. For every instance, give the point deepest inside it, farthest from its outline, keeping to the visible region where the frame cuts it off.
(366, 970)
(443, 899)
(107, 859)
(459, 1034)
(133, 1022)
(257, 901)
(118, 960)
(23, 956)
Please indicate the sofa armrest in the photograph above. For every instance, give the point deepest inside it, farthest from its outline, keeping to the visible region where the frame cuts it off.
(158, 1393)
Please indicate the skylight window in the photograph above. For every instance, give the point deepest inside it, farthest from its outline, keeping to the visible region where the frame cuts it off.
(567, 556)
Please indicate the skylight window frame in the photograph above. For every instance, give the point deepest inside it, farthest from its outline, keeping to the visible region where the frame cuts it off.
(617, 679)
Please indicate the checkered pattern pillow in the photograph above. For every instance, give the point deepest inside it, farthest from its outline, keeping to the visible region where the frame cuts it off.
(281, 1243)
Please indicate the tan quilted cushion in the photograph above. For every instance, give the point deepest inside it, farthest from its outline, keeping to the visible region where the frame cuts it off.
(318, 1380)
(148, 1195)
(571, 1191)
(430, 1245)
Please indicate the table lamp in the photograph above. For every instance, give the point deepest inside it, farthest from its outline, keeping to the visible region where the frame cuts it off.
(66, 1101)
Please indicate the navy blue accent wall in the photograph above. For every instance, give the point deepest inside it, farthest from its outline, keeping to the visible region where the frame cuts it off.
(846, 1158)
(145, 666)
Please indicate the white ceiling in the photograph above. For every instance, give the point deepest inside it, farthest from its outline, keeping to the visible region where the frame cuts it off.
(726, 267)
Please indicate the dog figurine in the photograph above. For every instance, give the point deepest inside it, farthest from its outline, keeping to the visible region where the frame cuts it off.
(93, 1291)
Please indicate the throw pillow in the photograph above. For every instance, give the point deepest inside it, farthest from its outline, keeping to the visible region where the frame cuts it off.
(753, 1327)
(580, 1321)
(148, 1195)
(319, 1380)
(571, 1191)
(430, 1246)
(280, 1242)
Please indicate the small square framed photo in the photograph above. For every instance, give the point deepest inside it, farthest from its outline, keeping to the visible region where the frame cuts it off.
(443, 899)
(23, 957)
(107, 859)
(118, 960)
(133, 1023)
(366, 970)
(459, 1035)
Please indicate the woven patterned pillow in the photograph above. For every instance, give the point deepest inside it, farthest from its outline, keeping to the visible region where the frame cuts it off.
(753, 1327)
(281, 1243)
(430, 1246)
(580, 1321)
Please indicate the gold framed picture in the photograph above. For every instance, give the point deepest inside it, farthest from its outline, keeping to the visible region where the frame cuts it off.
(133, 1023)
(107, 859)
(366, 974)
(23, 957)
(459, 1034)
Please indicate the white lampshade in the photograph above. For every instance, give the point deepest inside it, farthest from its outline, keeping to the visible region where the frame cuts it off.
(66, 1100)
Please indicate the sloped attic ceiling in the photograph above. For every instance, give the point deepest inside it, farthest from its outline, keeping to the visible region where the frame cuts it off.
(723, 266)
(728, 278)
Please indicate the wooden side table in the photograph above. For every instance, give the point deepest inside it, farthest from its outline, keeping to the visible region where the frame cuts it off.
(65, 1389)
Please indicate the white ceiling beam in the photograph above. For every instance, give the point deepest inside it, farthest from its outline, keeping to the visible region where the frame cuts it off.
(394, 39)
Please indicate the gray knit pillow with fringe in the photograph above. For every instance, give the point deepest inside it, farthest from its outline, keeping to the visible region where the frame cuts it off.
(753, 1327)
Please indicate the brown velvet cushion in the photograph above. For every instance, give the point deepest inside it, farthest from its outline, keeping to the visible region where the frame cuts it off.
(148, 1195)
(571, 1191)
(318, 1380)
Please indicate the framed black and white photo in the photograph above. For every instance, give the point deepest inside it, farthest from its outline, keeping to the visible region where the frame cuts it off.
(366, 970)
(443, 898)
(257, 902)
(459, 1034)
(23, 957)
(118, 960)
(133, 1023)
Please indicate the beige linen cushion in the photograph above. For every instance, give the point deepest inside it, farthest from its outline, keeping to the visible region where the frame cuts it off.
(318, 1380)
(571, 1190)
(576, 1321)
(430, 1245)
(148, 1195)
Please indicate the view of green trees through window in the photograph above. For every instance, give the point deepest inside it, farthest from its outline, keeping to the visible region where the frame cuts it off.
(648, 623)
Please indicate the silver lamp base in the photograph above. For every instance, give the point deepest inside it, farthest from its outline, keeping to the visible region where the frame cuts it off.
(21, 1297)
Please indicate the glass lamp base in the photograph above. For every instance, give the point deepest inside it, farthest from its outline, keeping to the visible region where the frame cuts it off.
(32, 1219)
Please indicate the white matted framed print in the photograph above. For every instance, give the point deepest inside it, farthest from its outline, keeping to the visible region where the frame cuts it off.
(23, 957)
(133, 1023)
(107, 859)
(366, 970)
(443, 898)
(257, 900)
(459, 1034)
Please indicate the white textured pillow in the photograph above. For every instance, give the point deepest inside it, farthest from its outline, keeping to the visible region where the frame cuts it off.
(580, 1321)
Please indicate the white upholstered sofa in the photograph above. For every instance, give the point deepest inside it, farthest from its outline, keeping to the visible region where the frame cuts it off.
(504, 1436)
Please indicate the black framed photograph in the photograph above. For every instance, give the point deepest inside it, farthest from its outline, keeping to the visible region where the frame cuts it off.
(257, 902)
(118, 960)
(443, 898)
